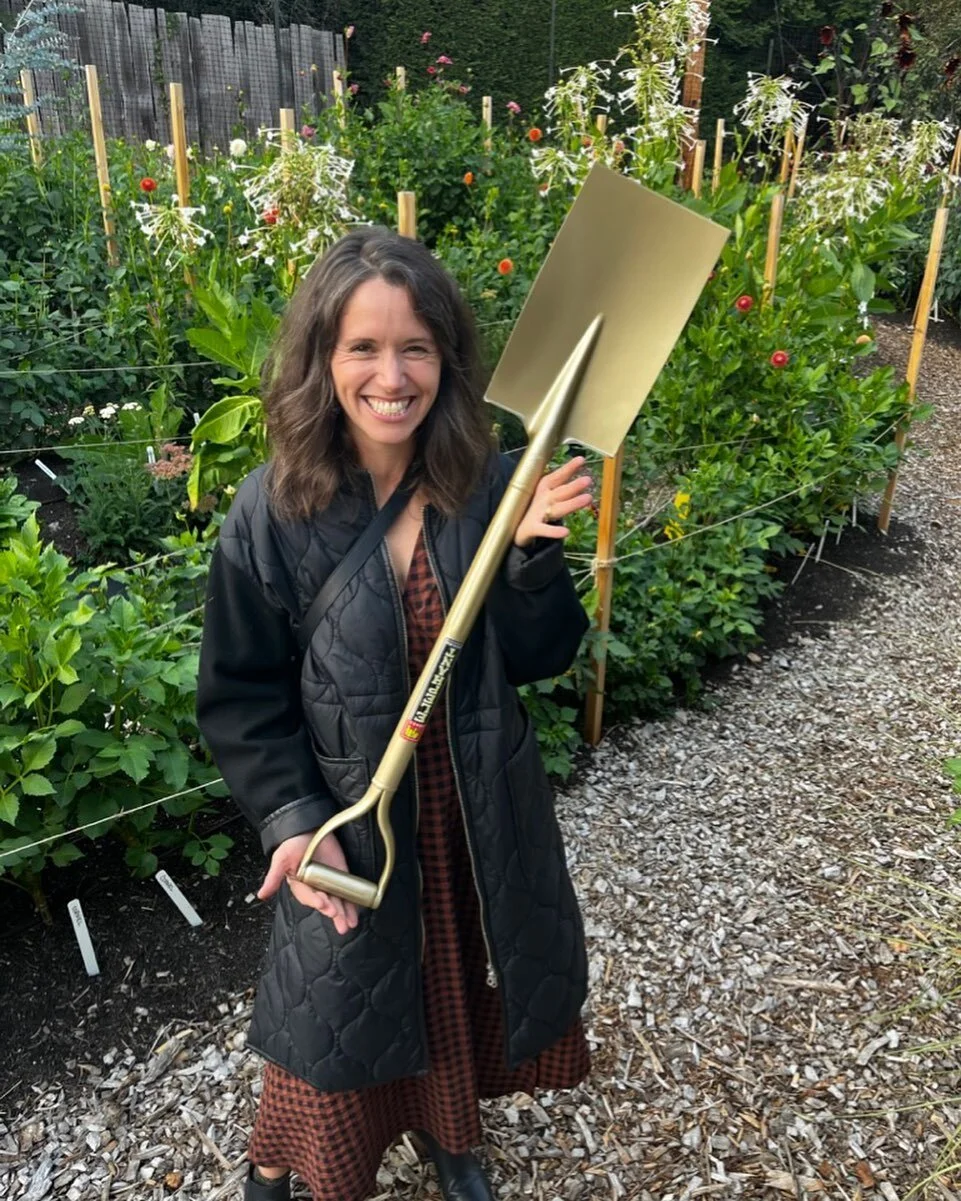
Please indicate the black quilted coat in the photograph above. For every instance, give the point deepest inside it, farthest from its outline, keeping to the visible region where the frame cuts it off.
(298, 740)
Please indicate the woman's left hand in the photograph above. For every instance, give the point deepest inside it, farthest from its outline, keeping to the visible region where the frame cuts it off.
(557, 495)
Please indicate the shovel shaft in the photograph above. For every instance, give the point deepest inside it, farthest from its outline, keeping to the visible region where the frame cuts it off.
(546, 434)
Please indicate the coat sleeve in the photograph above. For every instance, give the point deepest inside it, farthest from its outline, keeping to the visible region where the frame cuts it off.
(534, 607)
(249, 708)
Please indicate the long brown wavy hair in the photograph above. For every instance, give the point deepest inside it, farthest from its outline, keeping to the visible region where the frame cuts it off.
(313, 455)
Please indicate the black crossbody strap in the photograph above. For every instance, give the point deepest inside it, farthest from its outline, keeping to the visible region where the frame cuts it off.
(353, 561)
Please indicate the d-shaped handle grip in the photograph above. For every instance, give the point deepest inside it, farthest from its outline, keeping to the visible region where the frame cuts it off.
(340, 884)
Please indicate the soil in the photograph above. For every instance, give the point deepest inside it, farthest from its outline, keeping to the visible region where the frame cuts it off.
(154, 967)
(56, 517)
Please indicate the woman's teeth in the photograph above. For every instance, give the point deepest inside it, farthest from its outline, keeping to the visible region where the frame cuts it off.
(389, 408)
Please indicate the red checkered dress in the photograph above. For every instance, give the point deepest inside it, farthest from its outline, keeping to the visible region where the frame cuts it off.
(336, 1141)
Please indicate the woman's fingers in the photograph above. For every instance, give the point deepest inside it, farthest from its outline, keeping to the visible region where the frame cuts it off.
(342, 913)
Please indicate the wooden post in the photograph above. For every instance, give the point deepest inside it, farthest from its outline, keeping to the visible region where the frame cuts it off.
(786, 156)
(33, 117)
(487, 117)
(718, 154)
(798, 151)
(178, 132)
(407, 214)
(691, 90)
(600, 121)
(921, 312)
(340, 98)
(775, 224)
(100, 158)
(401, 74)
(604, 582)
(697, 170)
(287, 132)
(773, 245)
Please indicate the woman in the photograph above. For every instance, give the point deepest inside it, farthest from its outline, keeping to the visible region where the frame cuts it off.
(468, 981)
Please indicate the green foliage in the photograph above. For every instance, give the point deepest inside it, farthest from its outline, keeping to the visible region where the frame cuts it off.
(96, 704)
(14, 507)
(35, 43)
(231, 438)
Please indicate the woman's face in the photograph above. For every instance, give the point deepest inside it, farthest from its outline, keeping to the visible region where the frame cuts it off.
(386, 370)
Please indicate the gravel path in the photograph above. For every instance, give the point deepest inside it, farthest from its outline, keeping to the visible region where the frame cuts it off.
(774, 924)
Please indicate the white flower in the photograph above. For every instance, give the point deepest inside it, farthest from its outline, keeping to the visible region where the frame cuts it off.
(108, 411)
(771, 105)
(174, 228)
(238, 148)
(190, 152)
(150, 144)
(75, 421)
(130, 406)
(169, 151)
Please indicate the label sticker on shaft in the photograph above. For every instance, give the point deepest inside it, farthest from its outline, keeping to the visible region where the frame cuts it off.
(421, 711)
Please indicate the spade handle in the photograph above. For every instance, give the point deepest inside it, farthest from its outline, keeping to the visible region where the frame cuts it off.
(546, 434)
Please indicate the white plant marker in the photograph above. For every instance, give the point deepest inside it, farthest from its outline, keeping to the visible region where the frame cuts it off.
(83, 938)
(151, 455)
(178, 898)
(45, 469)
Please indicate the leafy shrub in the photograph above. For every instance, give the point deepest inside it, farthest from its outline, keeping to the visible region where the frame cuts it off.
(97, 707)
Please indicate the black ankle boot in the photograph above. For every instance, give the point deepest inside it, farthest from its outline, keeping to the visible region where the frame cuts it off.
(461, 1176)
(266, 1190)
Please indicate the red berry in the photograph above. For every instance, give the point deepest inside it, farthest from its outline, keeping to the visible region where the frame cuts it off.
(780, 358)
(148, 185)
(744, 304)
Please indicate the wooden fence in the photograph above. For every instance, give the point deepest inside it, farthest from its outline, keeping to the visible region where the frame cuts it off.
(229, 69)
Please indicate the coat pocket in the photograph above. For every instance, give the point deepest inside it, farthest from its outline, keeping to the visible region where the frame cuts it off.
(532, 806)
(348, 780)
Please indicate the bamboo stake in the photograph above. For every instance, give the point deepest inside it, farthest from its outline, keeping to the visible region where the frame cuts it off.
(33, 117)
(697, 170)
(340, 98)
(407, 214)
(691, 90)
(100, 158)
(773, 246)
(287, 133)
(922, 312)
(795, 165)
(288, 141)
(401, 74)
(786, 156)
(487, 117)
(604, 582)
(178, 132)
(600, 121)
(718, 154)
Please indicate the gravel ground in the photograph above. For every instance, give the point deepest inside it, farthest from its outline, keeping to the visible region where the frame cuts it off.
(774, 926)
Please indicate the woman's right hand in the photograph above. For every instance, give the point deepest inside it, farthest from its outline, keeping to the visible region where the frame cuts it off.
(283, 866)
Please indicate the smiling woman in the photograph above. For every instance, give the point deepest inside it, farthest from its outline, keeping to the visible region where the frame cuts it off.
(377, 319)
(385, 370)
(468, 979)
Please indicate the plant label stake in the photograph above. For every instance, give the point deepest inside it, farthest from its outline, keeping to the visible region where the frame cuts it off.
(608, 305)
(45, 469)
(178, 898)
(83, 938)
